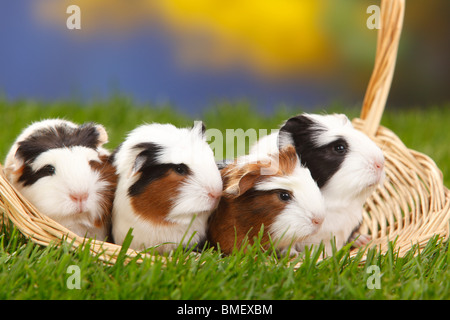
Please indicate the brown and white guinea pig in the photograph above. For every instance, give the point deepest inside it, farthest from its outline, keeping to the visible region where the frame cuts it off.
(168, 186)
(344, 162)
(63, 170)
(282, 197)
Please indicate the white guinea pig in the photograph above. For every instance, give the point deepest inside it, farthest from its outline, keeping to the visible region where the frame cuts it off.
(63, 170)
(286, 201)
(168, 185)
(344, 162)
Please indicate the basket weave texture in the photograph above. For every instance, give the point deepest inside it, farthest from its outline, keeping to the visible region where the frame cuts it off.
(411, 207)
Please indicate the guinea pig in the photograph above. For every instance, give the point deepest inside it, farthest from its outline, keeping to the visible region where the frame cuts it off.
(283, 199)
(63, 170)
(167, 187)
(344, 162)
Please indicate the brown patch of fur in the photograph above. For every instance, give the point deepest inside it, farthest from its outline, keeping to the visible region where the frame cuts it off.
(157, 199)
(108, 174)
(242, 210)
(288, 160)
(236, 219)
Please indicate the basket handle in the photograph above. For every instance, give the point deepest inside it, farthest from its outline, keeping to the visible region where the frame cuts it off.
(392, 12)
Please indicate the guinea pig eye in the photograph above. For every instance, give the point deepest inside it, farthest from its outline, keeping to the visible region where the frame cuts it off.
(340, 148)
(181, 169)
(284, 196)
(48, 170)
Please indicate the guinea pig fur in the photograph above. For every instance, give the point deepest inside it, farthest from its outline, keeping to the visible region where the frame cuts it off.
(344, 162)
(168, 186)
(63, 170)
(284, 199)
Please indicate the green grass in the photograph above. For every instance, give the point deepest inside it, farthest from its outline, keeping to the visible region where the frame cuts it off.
(30, 271)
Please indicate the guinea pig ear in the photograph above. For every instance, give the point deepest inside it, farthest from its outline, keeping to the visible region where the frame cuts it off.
(16, 166)
(343, 118)
(85, 134)
(147, 156)
(102, 135)
(297, 123)
(293, 128)
(242, 184)
(199, 126)
(138, 164)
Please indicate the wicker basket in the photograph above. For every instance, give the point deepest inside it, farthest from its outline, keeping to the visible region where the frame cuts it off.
(411, 207)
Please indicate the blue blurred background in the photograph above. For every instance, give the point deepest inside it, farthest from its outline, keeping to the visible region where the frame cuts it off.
(194, 54)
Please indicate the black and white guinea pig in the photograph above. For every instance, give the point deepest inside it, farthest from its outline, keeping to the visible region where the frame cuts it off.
(63, 170)
(344, 162)
(168, 185)
(286, 201)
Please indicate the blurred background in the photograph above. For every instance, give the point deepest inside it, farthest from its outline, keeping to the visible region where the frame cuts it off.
(195, 54)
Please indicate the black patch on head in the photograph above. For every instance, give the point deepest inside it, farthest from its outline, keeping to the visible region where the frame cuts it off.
(150, 169)
(322, 161)
(45, 139)
(60, 136)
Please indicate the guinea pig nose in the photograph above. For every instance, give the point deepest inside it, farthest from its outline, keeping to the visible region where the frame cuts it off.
(378, 164)
(317, 220)
(79, 197)
(214, 194)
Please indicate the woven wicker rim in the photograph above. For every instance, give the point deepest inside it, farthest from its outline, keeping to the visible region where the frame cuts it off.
(411, 207)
